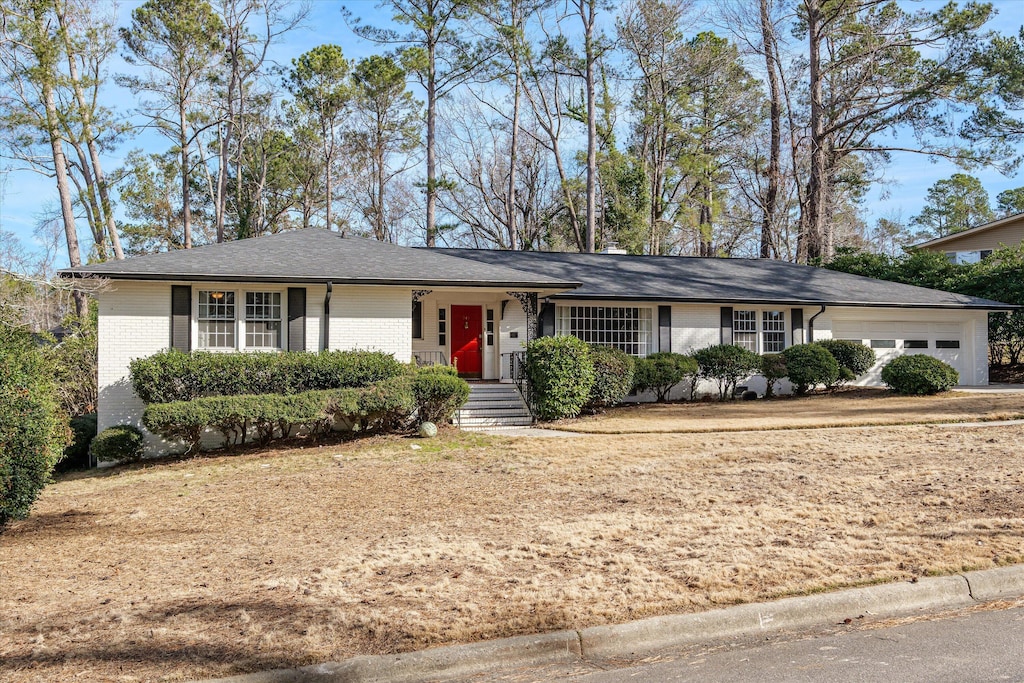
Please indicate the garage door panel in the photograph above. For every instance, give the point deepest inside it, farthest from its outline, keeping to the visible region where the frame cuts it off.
(901, 331)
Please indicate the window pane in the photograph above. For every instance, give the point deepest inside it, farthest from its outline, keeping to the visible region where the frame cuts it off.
(625, 328)
(947, 343)
(216, 324)
(915, 344)
(263, 320)
(216, 335)
(883, 343)
(773, 326)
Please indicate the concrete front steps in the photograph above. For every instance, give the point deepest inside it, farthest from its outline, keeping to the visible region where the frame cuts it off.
(494, 406)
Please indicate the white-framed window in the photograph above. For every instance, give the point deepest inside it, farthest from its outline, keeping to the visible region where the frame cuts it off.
(263, 320)
(773, 331)
(744, 329)
(629, 328)
(216, 317)
(239, 320)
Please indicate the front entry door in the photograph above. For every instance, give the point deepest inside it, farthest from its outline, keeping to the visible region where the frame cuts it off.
(467, 330)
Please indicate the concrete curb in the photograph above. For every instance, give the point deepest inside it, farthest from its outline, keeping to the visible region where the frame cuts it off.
(658, 633)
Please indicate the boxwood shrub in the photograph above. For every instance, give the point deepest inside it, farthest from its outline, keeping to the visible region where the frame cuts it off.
(561, 375)
(919, 374)
(439, 392)
(613, 376)
(33, 428)
(808, 365)
(853, 357)
(122, 443)
(661, 372)
(727, 364)
(175, 376)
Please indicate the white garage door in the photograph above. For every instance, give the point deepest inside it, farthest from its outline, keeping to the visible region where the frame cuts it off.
(942, 340)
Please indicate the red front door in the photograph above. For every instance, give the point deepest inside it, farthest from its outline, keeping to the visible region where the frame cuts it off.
(467, 329)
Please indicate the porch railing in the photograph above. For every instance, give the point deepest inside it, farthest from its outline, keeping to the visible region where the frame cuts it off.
(423, 358)
(513, 366)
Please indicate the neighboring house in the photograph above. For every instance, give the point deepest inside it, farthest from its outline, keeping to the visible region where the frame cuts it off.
(312, 289)
(977, 243)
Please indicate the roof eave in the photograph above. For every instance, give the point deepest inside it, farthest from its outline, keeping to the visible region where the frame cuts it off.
(969, 231)
(994, 306)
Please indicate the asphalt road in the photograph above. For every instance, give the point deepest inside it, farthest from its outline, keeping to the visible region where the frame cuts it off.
(980, 646)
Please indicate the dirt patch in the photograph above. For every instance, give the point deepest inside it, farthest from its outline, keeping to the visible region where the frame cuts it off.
(1006, 374)
(222, 565)
(851, 408)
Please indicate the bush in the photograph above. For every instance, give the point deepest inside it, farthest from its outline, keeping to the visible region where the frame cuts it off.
(919, 375)
(175, 376)
(76, 455)
(387, 405)
(33, 429)
(853, 357)
(123, 443)
(613, 376)
(561, 375)
(438, 393)
(773, 368)
(727, 364)
(661, 372)
(808, 365)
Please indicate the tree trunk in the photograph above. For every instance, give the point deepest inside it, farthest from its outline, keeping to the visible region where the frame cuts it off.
(431, 152)
(513, 235)
(186, 197)
(817, 190)
(775, 115)
(587, 11)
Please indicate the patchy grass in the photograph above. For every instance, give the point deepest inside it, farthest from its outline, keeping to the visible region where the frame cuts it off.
(219, 565)
(849, 408)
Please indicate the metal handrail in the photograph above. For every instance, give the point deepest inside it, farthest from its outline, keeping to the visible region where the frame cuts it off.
(516, 364)
(424, 358)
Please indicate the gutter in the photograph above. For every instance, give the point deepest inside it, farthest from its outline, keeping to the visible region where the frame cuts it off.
(810, 325)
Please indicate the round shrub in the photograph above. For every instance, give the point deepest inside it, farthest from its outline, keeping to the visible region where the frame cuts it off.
(123, 443)
(808, 365)
(661, 372)
(438, 393)
(33, 429)
(854, 357)
(76, 455)
(613, 376)
(727, 364)
(561, 375)
(919, 375)
(773, 368)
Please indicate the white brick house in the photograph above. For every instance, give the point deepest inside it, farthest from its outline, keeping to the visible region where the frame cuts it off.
(312, 289)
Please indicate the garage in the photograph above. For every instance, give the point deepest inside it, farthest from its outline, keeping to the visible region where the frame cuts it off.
(943, 340)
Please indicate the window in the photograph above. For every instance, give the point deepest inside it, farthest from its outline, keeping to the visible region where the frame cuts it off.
(951, 255)
(216, 320)
(263, 320)
(417, 320)
(947, 343)
(773, 328)
(624, 327)
(442, 326)
(744, 329)
(883, 343)
(985, 253)
(915, 343)
(490, 327)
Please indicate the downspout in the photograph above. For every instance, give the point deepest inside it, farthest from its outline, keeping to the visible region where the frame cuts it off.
(810, 325)
(327, 318)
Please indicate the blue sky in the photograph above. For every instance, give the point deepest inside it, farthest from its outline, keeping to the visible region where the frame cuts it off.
(25, 196)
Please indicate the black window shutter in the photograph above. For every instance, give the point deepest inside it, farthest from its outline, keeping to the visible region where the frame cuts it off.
(296, 318)
(181, 318)
(665, 329)
(796, 315)
(727, 324)
(546, 320)
(417, 320)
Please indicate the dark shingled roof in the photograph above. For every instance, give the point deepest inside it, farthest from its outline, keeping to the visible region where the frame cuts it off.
(719, 280)
(316, 255)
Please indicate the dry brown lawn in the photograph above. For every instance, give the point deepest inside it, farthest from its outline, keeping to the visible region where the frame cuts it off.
(850, 408)
(219, 565)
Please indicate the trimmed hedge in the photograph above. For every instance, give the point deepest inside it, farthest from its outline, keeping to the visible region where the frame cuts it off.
(773, 368)
(33, 428)
(561, 375)
(439, 392)
(613, 376)
(853, 357)
(727, 364)
(175, 376)
(123, 443)
(808, 365)
(661, 372)
(919, 375)
(384, 406)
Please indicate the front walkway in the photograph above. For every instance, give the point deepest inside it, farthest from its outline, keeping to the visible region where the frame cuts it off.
(993, 389)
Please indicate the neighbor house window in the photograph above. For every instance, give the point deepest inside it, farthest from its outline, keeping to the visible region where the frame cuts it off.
(744, 329)
(263, 320)
(985, 253)
(773, 330)
(216, 319)
(628, 328)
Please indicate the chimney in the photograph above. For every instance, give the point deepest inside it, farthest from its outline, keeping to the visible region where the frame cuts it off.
(612, 247)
